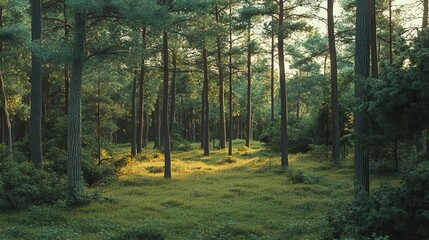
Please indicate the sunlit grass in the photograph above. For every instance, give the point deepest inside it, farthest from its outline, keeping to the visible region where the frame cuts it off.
(244, 196)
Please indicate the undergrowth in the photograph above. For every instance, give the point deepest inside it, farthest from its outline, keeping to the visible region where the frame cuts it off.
(243, 196)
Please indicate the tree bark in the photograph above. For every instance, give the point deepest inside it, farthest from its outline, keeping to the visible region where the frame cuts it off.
(99, 119)
(203, 110)
(140, 132)
(145, 129)
(334, 88)
(66, 66)
(173, 92)
(75, 189)
(272, 71)
(206, 103)
(283, 92)
(167, 157)
(390, 34)
(231, 124)
(374, 55)
(222, 124)
(362, 62)
(249, 91)
(134, 118)
(36, 88)
(157, 124)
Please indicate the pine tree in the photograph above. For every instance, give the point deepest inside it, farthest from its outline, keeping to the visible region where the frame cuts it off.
(362, 68)
(36, 87)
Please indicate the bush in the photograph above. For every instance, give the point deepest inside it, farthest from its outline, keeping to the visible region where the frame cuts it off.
(22, 185)
(95, 174)
(297, 176)
(397, 212)
(300, 136)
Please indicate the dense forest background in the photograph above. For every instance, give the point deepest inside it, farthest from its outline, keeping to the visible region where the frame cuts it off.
(346, 79)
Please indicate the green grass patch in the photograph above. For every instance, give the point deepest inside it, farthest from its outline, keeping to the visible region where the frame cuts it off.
(244, 196)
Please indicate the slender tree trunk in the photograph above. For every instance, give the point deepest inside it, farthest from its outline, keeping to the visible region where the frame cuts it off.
(173, 92)
(167, 157)
(157, 123)
(222, 124)
(66, 66)
(206, 102)
(249, 91)
(362, 62)
(75, 189)
(283, 93)
(374, 55)
(334, 89)
(98, 119)
(298, 100)
(231, 124)
(425, 14)
(272, 71)
(134, 118)
(203, 110)
(140, 121)
(145, 129)
(390, 34)
(36, 88)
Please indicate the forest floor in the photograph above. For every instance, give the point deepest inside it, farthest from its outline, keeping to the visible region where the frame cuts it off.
(245, 196)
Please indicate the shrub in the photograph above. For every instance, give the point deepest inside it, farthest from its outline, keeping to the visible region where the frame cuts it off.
(297, 176)
(22, 185)
(95, 174)
(397, 212)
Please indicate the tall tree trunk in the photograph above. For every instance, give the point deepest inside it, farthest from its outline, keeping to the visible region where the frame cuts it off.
(75, 189)
(390, 34)
(66, 66)
(272, 70)
(36, 88)
(173, 92)
(222, 125)
(374, 55)
(99, 119)
(231, 124)
(157, 123)
(334, 89)
(249, 91)
(425, 14)
(203, 110)
(140, 133)
(167, 157)
(134, 117)
(206, 102)
(362, 62)
(145, 129)
(283, 92)
(395, 147)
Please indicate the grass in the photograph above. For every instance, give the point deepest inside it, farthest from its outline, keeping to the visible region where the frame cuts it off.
(245, 196)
